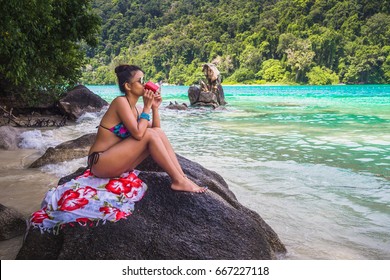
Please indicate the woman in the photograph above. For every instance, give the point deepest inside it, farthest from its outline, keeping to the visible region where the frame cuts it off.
(125, 137)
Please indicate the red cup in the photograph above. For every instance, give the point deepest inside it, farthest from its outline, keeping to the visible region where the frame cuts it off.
(151, 86)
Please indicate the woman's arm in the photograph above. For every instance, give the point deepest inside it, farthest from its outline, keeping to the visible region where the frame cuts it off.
(156, 118)
(155, 109)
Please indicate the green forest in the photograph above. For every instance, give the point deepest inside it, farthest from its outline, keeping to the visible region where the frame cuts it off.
(250, 41)
(48, 46)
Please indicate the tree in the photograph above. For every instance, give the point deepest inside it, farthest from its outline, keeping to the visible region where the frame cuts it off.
(377, 29)
(322, 76)
(42, 45)
(299, 57)
(362, 63)
(386, 65)
(272, 71)
(326, 44)
(241, 75)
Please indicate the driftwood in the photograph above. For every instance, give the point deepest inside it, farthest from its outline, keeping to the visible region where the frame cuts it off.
(10, 116)
(45, 122)
(32, 122)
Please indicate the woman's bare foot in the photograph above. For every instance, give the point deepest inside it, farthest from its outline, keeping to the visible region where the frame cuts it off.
(186, 185)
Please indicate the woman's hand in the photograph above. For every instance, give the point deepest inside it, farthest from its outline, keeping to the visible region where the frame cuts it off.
(148, 98)
(157, 100)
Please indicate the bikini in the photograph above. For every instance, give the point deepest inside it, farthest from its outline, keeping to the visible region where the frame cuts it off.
(119, 130)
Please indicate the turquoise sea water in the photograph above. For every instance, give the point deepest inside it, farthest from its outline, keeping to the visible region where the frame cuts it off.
(313, 161)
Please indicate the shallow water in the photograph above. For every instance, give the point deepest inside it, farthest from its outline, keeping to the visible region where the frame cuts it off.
(21, 189)
(314, 162)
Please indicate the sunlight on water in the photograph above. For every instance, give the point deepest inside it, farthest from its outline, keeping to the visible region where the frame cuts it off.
(312, 161)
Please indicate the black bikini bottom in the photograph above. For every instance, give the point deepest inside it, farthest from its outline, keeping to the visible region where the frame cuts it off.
(93, 159)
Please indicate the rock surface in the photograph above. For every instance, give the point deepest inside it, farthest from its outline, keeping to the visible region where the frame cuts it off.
(167, 225)
(201, 98)
(77, 148)
(9, 137)
(81, 100)
(12, 223)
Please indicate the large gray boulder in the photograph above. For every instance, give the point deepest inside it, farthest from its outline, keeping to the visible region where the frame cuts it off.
(72, 149)
(167, 224)
(79, 101)
(10, 137)
(12, 223)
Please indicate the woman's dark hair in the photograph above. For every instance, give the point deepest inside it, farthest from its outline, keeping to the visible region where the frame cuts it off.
(124, 73)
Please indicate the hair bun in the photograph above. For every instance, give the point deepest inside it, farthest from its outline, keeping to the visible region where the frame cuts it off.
(120, 68)
(125, 73)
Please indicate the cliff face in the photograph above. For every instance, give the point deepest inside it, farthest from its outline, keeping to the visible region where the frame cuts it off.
(167, 225)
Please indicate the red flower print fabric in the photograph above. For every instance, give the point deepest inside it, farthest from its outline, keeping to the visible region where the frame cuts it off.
(125, 186)
(87, 200)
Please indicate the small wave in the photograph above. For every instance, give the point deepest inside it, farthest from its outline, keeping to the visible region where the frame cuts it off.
(365, 159)
(64, 168)
(91, 116)
(35, 139)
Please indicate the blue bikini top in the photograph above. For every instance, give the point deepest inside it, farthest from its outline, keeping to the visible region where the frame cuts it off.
(120, 129)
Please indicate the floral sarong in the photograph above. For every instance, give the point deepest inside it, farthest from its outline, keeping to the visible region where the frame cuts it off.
(87, 200)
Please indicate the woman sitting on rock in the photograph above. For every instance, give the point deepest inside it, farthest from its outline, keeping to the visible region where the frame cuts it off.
(126, 137)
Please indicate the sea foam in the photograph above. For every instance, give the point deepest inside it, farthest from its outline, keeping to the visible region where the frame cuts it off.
(36, 139)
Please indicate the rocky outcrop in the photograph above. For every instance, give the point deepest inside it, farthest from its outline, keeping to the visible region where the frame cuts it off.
(210, 94)
(12, 223)
(167, 224)
(198, 97)
(77, 148)
(81, 100)
(10, 137)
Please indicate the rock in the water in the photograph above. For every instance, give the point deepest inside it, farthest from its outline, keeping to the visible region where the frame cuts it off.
(167, 224)
(12, 223)
(177, 106)
(9, 137)
(77, 148)
(202, 98)
(193, 94)
(79, 101)
(210, 94)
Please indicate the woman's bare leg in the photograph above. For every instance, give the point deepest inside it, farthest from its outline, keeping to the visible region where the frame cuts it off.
(115, 160)
(141, 158)
(169, 148)
(171, 152)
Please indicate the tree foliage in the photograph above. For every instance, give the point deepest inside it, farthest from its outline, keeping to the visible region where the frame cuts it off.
(322, 76)
(349, 38)
(272, 70)
(42, 45)
(43, 42)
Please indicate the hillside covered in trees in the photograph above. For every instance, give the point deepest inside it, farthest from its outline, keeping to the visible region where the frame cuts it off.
(250, 41)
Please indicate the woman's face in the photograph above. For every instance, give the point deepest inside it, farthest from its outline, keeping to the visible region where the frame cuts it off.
(137, 83)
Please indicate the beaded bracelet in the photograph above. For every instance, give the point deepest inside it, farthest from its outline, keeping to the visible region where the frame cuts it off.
(145, 116)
